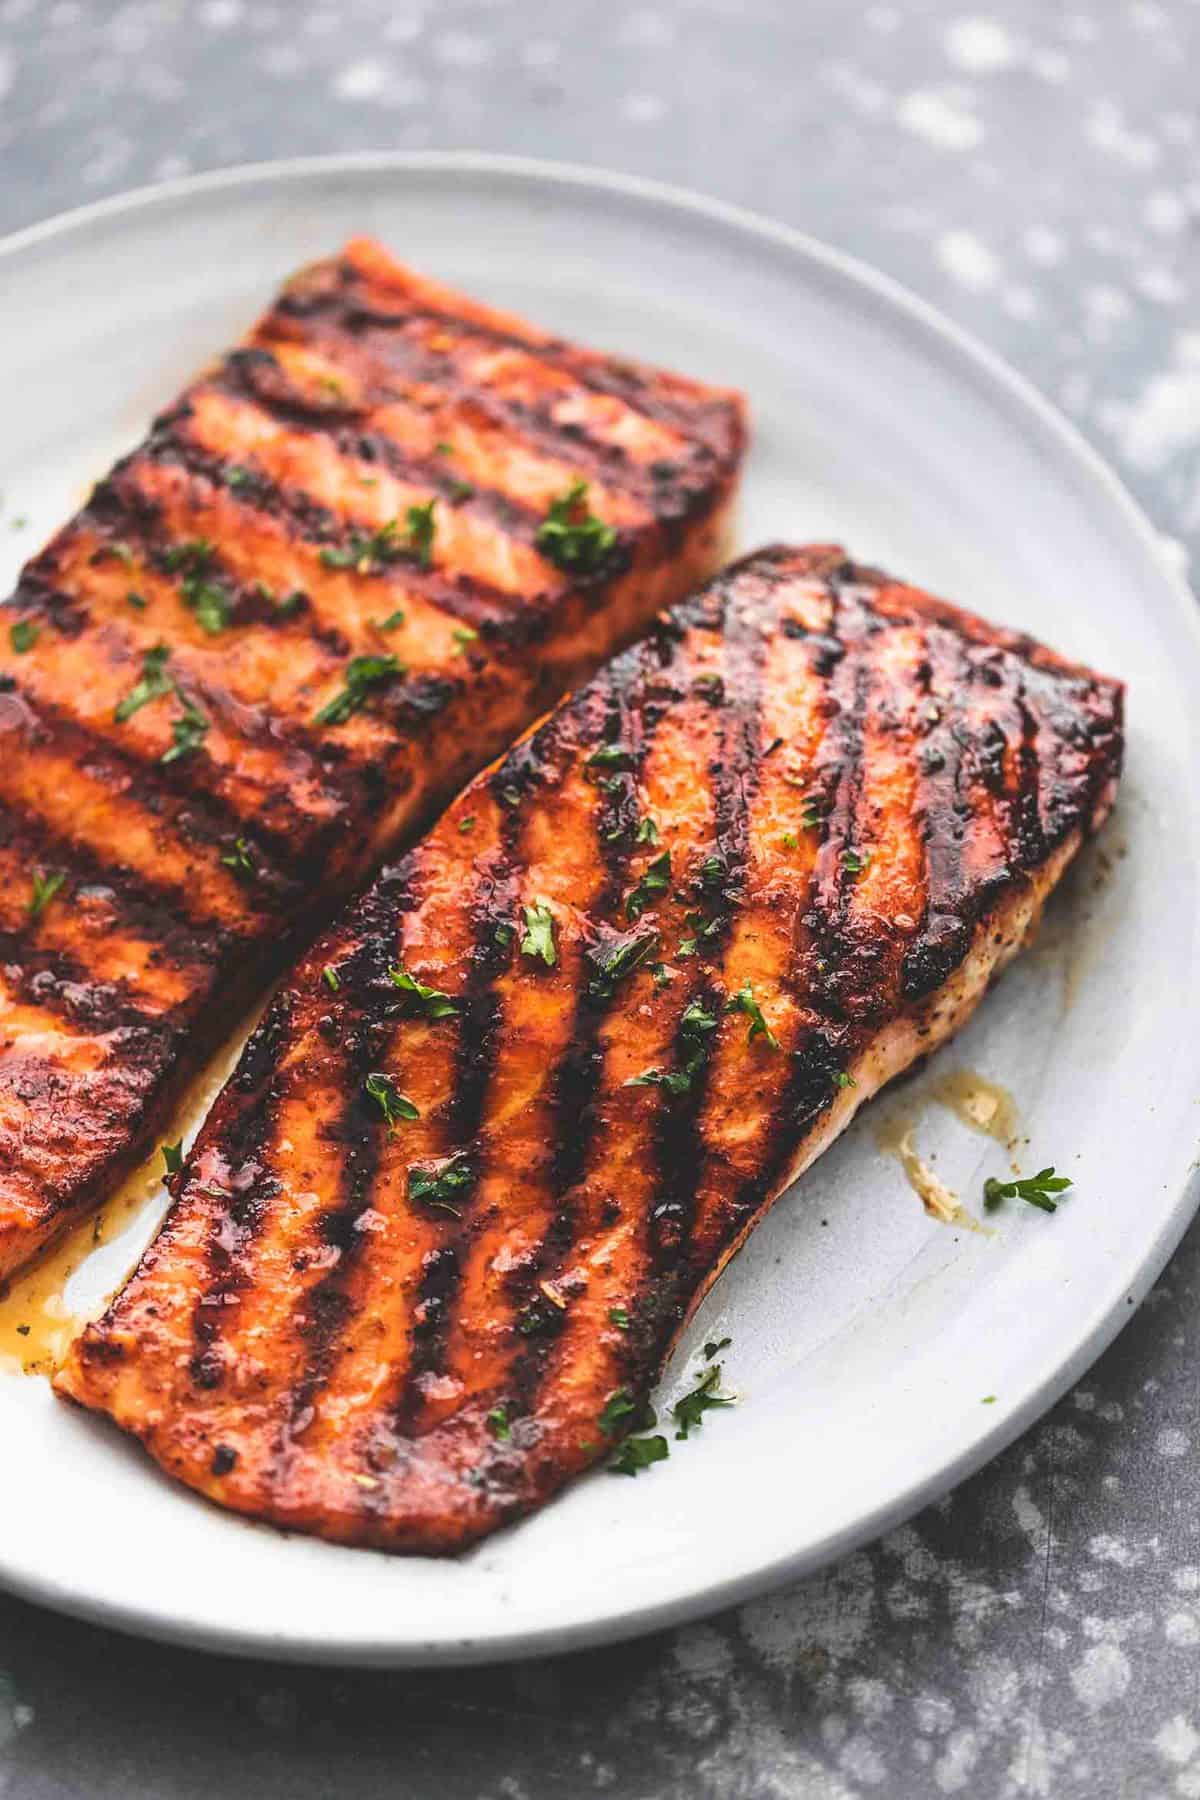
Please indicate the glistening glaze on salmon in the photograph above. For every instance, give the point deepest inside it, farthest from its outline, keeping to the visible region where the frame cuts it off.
(231, 572)
(764, 861)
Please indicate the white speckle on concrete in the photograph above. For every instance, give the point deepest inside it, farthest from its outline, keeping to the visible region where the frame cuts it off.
(1182, 1628)
(14, 1714)
(647, 30)
(1043, 246)
(860, 90)
(942, 116)
(221, 15)
(1051, 66)
(1171, 1441)
(461, 49)
(1107, 129)
(7, 70)
(1177, 1742)
(1166, 212)
(1031, 1520)
(1102, 1676)
(1161, 420)
(970, 262)
(1115, 1550)
(1185, 1580)
(980, 45)
(1160, 285)
(1020, 303)
(882, 18)
(643, 109)
(363, 80)
(954, 1768)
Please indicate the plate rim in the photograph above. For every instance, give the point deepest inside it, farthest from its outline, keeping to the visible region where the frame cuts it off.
(1105, 484)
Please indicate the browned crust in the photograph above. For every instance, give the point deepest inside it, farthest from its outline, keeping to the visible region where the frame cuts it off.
(311, 1342)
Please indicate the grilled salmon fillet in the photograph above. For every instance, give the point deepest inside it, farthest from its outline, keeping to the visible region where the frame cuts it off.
(511, 1116)
(349, 566)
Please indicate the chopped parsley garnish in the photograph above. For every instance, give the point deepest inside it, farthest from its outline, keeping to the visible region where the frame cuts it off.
(715, 1346)
(689, 1412)
(855, 861)
(192, 554)
(695, 1027)
(498, 1423)
(615, 960)
(790, 841)
(611, 756)
(155, 683)
(510, 795)
(239, 859)
(438, 1186)
(427, 1000)
(539, 934)
(843, 1080)
(814, 811)
(638, 1453)
(1039, 1190)
(663, 974)
(460, 491)
(188, 730)
(710, 687)
(396, 1107)
(121, 550)
(291, 604)
(393, 620)
(362, 674)
(172, 1155)
(44, 889)
(655, 880)
(571, 536)
(331, 978)
(712, 873)
(211, 604)
(421, 529)
(467, 823)
(504, 934)
(237, 477)
(744, 1001)
(444, 449)
(647, 831)
(463, 635)
(619, 1317)
(619, 1405)
(369, 551)
(23, 635)
(138, 601)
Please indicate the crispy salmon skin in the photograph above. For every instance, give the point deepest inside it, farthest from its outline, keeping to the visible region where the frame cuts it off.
(347, 568)
(514, 1112)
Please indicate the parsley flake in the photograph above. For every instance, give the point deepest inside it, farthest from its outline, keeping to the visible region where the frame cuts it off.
(392, 622)
(239, 859)
(855, 861)
(655, 880)
(613, 961)
(647, 831)
(715, 1346)
(498, 1423)
(571, 536)
(689, 1412)
(24, 635)
(467, 824)
(539, 933)
(611, 756)
(744, 1001)
(172, 1155)
(431, 1002)
(362, 674)
(1038, 1190)
(188, 731)
(44, 889)
(436, 1186)
(463, 635)
(396, 1107)
(619, 1317)
(331, 978)
(155, 683)
(619, 1405)
(636, 1454)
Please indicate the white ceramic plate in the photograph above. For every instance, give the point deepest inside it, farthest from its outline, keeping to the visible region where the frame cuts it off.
(865, 1336)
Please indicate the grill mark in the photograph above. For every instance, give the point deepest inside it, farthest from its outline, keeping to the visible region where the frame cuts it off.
(679, 1151)
(250, 1183)
(475, 1053)
(196, 816)
(380, 333)
(1025, 825)
(942, 814)
(61, 986)
(463, 597)
(329, 1306)
(630, 721)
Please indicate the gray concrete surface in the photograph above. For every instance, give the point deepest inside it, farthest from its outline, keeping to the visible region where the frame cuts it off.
(1033, 168)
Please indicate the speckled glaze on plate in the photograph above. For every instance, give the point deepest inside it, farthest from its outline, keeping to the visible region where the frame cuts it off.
(880, 1356)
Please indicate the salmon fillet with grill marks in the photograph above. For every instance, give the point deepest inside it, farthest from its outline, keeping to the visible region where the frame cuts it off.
(513, 1114)
(342, 573)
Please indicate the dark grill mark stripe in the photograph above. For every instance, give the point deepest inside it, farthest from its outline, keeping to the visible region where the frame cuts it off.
(679, 1151)
(381, 334)
(463, 597)
(58, 984)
